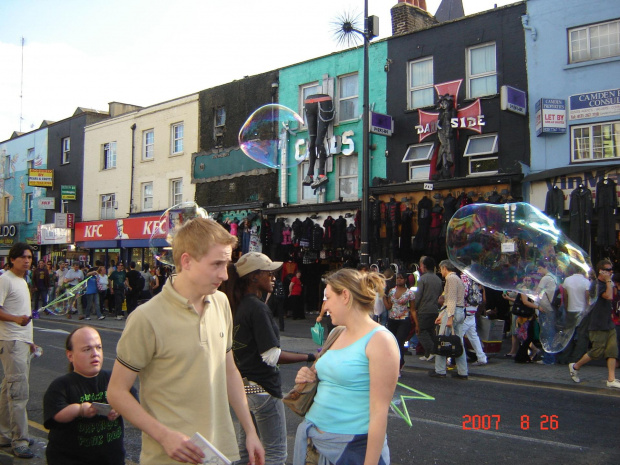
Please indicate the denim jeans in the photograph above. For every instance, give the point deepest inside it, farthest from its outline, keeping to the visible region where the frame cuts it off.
(457, 328)
(92, 302)
(469, 330)
(270, 420)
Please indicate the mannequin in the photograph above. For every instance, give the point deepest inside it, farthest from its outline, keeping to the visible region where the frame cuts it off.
(319, 110)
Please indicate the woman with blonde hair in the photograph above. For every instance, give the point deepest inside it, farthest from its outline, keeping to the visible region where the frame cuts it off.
(357, 377)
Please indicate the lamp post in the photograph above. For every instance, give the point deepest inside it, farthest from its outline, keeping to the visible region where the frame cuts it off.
(364, 252)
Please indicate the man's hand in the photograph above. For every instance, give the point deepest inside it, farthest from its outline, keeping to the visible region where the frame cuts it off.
(113, 415)
(256, 453)
(87, 410)
(179, 448)
(22, 320)
(449, 322)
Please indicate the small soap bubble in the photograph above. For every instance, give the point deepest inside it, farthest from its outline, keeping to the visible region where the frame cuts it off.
(260, 138)
(510, 248)
(169, 223)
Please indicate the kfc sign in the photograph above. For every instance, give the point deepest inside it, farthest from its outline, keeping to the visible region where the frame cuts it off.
(122, 228)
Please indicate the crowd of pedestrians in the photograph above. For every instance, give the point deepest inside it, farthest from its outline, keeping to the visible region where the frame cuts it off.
(217, 325)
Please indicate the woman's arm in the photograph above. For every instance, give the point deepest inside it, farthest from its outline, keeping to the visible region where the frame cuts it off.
(383, 363)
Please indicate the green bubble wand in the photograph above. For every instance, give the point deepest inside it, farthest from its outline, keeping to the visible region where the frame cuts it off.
(70, 293)
(404, 413)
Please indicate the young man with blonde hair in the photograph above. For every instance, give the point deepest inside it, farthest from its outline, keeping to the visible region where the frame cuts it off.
(179, 344)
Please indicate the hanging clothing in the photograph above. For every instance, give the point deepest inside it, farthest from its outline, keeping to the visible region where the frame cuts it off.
(580, 210)
(276, 234)
(316, 238)
(554, 203)
(606, 205)
(266, 233)
(340, 233)
(425, 206)
(328, 224)
(297, 228)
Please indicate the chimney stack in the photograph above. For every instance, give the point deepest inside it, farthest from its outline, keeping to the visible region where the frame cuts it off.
(410, 16)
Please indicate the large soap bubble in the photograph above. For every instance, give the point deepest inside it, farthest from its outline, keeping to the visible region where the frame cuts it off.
(170, 222)
(499, 245)
(66, 302)
(260, 136)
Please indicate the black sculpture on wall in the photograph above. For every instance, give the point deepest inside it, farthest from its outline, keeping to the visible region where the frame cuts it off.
(445, 132)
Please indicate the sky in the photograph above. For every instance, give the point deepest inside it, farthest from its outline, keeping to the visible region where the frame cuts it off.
(81, 53)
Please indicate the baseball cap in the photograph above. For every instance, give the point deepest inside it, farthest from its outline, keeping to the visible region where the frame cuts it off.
(255, 261)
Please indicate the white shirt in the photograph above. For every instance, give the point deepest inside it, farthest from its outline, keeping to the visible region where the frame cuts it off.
(576, 287)
(15, 300)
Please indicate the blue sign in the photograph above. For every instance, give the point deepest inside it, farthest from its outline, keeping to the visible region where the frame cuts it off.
(513, 99)
(381, 124)
(594, 104)
(550, 116)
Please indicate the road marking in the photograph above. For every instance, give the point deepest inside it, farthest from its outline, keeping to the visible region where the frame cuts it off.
(79, 323)
(45, 330)
(502, 435)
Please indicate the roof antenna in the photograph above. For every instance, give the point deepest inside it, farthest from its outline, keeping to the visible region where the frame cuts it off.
(21, 89)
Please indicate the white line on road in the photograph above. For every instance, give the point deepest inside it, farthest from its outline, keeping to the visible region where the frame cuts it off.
(59, 331)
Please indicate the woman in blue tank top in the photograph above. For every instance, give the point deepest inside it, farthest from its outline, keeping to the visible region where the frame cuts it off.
(348, 420)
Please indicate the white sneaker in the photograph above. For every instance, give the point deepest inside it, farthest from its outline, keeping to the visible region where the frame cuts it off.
(423, 358)
(101, 317)
(575, 375)
(478, 363)
(614, 384)
(119, 317)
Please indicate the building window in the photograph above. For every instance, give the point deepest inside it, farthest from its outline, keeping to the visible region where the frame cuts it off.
(29, 165)
(307, 194)
(176, 138)
(29, 207)
(108, 204)
(347, 177)
(176, 191)
(5, 209)
(147, 196)
(109, 155)
(66, 148)
(418, 157)
(595, 141)
(347, 97)
(421, 89)
(220, 117)
(304, 91)
(480, 151)
(481, 71)
(148, 145)
(593, 42)
(6, 166)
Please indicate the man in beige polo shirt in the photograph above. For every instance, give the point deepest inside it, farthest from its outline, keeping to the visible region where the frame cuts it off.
(179, 344)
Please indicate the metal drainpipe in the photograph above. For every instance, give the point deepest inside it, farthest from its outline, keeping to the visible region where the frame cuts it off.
(133, 150)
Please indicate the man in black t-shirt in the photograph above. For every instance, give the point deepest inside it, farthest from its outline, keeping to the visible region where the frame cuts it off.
(136, 283)
(601, 330)
(83, 428)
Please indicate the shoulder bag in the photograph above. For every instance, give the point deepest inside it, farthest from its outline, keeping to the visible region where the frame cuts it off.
(520, 309)
(448, 346)
(300, 398)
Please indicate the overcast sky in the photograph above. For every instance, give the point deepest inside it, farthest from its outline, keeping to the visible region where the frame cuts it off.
(86, 53)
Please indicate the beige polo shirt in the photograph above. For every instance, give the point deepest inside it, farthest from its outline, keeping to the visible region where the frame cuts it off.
(180, 358)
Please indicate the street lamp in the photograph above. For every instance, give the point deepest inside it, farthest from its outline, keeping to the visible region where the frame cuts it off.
(371, 29)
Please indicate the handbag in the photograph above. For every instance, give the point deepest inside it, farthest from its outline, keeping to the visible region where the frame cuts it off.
(519, 308)
(448, 345)
(300, 398)
(317, 332)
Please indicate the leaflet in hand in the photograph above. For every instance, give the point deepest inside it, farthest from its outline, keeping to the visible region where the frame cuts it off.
(102, 409)
(212, 455)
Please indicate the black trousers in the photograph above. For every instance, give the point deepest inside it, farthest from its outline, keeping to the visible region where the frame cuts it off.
(426, 335)
(319, 114)
(400, 329)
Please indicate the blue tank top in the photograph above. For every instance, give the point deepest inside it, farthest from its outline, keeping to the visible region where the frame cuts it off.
(342, 401)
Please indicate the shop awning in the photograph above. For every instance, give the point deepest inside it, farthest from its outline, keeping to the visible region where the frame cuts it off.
(98, 244)
(564, 170)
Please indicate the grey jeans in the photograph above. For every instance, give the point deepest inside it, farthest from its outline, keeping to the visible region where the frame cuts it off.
(14, 393)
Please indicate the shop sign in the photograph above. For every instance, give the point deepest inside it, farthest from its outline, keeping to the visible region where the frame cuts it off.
(381, 124)
(64, 220)
(336, 145)
(50, 234)
(588, 179)
(594, 104)
(41, 178)
(513, 99)
(8, 233)
(46, 203)
(550, 116)
(68, 192)
(469, 117)
(123, 228)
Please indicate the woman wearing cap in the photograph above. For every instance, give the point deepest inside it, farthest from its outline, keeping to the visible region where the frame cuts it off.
(257, 352)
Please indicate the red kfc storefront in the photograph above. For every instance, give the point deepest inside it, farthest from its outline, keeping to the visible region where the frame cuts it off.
(126, 239)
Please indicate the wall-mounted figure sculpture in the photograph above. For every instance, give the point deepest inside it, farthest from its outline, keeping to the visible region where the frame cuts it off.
(445, 132)
(319, 110)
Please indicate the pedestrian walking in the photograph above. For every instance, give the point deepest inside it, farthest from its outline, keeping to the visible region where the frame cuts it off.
(474, 296)
(430, 288)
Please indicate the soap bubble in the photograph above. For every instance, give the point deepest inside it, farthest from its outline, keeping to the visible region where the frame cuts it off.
(499, 245)
(259, 138)
(169, 223)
